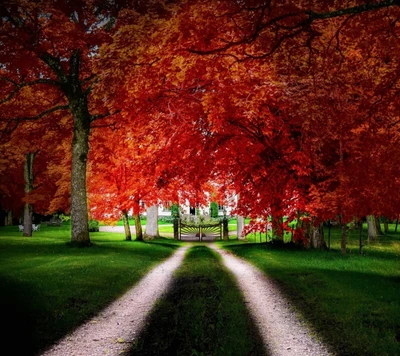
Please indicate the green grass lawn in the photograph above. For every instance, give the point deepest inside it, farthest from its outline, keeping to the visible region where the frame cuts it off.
(352, 300)
(203, 314)
(49, 287)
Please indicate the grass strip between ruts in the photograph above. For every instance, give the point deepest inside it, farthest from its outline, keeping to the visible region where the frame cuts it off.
(203, 314)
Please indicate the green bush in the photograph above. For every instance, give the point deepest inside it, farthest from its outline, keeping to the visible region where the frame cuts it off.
(214, 209)
(175, 210)
(93, 226)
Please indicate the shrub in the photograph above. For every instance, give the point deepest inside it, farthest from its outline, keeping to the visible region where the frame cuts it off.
(93, 226)
(175, 210)
(214, 209)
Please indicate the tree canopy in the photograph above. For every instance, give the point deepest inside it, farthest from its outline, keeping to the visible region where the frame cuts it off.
(291, 106)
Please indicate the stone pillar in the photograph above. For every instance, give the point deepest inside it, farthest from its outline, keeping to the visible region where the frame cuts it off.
(176, 227)
(240, 226)
(152, 222)
(225, 227)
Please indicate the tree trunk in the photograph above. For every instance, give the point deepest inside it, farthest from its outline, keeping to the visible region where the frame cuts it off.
(372, 228)
(378, 226)
(28, 177)
(225, 229)
(317, 240)
(9, 218)
(70, 84)
(240, 226)
(128, 235)
(343, 239)
(386, 225)
(277, 228)
(152, 222)
(79, 208)
(28, 213)
(138, 227)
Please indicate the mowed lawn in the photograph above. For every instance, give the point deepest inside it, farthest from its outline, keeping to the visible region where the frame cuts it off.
(203, 314)
(49, 287)
(352, 300)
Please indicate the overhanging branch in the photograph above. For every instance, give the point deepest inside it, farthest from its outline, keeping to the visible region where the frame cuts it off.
(306, 19)
(13, 123)
(102, 116)
(39, 116)
(19, 86)
(352, 10)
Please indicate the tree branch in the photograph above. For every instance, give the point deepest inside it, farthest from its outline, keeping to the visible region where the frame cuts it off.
(55, 64)
(352, 10)
(306, 19)
(13, 123)
(90, 87)
(74, 64)
(19, 86)
(102, 116)
(39, 116)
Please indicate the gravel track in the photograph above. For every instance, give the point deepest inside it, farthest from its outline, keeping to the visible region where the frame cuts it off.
(282, 331)
(114, 329)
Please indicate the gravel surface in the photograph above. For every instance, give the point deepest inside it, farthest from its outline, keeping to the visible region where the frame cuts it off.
(282, 331)
(113, 330)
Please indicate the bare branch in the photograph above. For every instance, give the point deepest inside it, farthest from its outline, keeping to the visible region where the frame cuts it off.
(113, 126)
(22, 84)
(304, 23)
(88, 79)
(90, 87)
(352, 10)
(39, 116)
(102, 116)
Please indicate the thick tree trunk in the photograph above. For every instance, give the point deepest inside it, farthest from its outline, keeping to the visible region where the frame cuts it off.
(79, 208)
(361, 243)
(277, 228)
(138, 227)
(28, 213)
(386, 225)
(378, 226)
(70, 84)
(240, 226)
(9, 218)
(317, 240)
(28, 208)
(373, 232)
(343, 239)
(128, 235)
(152, 222)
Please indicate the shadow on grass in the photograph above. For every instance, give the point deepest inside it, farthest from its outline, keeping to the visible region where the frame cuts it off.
(18, 317)
(202, 314)
(352, 301)
(49, 287)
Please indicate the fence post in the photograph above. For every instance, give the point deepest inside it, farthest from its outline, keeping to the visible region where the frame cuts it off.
(176, 227)
(225, 227)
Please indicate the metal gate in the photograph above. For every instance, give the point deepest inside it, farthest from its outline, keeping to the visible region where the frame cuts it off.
(201, 232)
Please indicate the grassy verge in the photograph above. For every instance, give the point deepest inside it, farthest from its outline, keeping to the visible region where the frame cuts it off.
(203, 314)
(352, 300)
(49, 287)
